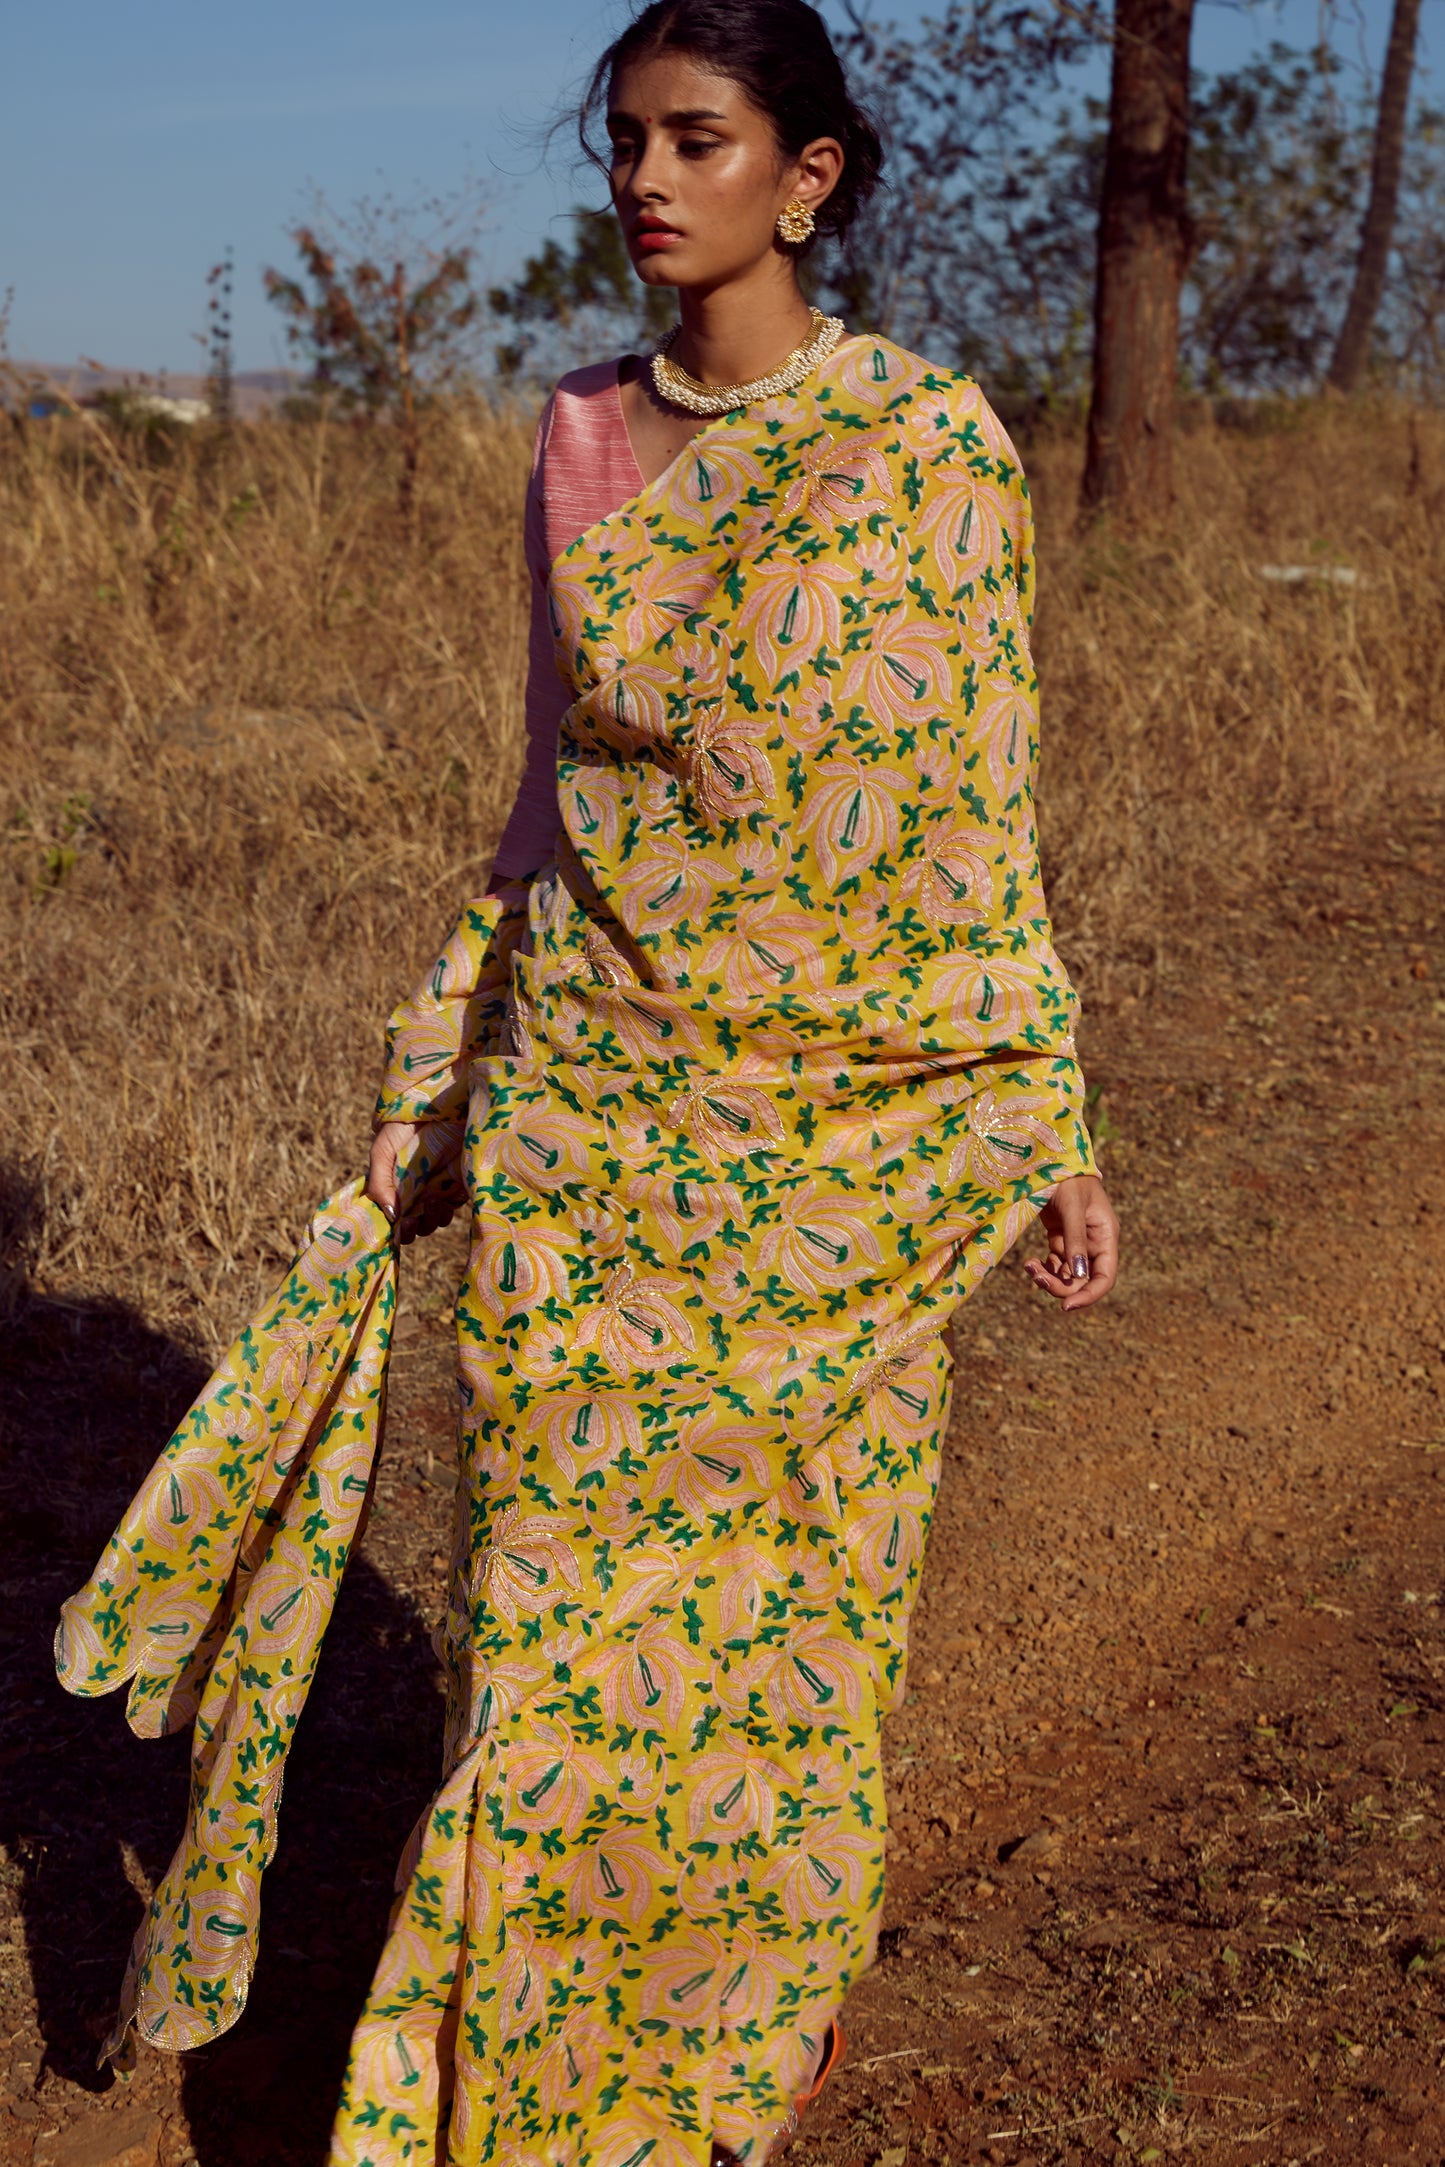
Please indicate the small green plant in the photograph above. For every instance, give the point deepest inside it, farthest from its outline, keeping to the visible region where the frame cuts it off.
(1100, 1121)
(60, 856)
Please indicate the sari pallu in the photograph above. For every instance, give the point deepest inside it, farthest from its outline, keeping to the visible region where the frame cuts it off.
(787, 1065)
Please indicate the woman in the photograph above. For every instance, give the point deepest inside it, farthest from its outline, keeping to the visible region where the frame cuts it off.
(756, 1057)
(786, 1064)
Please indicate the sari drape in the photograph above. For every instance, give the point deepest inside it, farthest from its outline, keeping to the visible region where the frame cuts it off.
(212, 1597)
(788, 1065)
(760, 1077)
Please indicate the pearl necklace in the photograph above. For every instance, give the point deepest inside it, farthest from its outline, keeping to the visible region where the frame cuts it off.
(673, 383)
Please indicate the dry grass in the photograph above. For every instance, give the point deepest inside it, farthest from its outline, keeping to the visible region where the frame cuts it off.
(257, 739)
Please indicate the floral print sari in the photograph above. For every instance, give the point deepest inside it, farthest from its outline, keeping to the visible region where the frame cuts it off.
(760, 1078)
(753, 1085)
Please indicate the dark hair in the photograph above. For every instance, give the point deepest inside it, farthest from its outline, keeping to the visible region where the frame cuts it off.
(780, 54)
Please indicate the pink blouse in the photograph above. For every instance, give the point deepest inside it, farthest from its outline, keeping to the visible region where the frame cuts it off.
(583, 467)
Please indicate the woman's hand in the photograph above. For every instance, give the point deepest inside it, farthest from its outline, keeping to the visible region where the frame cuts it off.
(440, 1200)
(1083, 1259)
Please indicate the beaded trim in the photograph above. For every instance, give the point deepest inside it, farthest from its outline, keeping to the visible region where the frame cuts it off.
(673, 383)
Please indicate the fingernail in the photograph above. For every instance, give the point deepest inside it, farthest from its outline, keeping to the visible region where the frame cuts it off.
(1081, 1267)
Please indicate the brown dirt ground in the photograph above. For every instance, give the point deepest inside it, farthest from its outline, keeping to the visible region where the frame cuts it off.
(1168, 1850)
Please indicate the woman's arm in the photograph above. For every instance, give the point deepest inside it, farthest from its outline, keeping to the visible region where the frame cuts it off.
(1081, 1224)
(530, 836)
(450, 1019)
(456, 1012)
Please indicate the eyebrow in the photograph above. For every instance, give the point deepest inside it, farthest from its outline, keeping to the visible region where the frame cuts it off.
(684, 117)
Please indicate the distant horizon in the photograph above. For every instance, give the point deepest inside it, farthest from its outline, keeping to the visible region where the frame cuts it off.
(134, 161)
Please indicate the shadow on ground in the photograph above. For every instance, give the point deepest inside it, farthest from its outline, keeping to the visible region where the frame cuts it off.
(89, 1815)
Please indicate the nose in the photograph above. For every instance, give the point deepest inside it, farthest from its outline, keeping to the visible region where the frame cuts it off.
(648, 178)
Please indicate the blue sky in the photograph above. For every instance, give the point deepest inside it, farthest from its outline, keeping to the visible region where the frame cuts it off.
(137, 141)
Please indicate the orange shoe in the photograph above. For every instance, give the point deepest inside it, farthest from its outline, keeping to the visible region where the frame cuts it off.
(834, 2045)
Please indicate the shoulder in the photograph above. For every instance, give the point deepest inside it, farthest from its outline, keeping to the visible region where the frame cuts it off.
(941, 410)
(877, 372)
(581, 420)
(584, 386)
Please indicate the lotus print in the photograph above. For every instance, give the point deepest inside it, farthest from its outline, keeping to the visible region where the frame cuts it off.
(965, 527)
(851, 816)
(733, 1793)
(288, 1363)
(756, 1975)
(524, 1566)
(642, 1680)
(904, 674)
(726, 766)
(991, 1000)
(551, 1778)
(718, 1466)
(885, 1541)
(585, 1432)
(768, 950)
(523, 1267)
(1005, 730)
(781, 1356)
(953, 881)
(821, 1872)
(638, 1324)
(792, 610)
(688, 1210)
(668, 882)
(726, 1120)
(661, 591)
(875, 373)
(814, 1676)
(840, 481)
(539, 1147)
(708, 481)
(820, 1239)
(627, 708)
(1004, 1139)
(570, 2068)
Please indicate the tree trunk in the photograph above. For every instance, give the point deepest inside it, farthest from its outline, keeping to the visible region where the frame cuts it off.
(1353, 350)
(1144, 244)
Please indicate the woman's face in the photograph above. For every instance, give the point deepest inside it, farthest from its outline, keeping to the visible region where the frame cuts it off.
(697, 176)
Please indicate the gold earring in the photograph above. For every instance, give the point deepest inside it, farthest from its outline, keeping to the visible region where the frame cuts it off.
(795, 223)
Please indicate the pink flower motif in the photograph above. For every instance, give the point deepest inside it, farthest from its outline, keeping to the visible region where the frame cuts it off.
(524, 1566)
(839, 482)
(791, 610)
(1007, 729)
(637, 1324)
(904, 673)
(874, 372)
(882, 565)
(952, 882)
(852, 815)
(728, 771)
(664, 589)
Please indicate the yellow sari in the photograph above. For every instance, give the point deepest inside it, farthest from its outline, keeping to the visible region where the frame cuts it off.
(760, 1078)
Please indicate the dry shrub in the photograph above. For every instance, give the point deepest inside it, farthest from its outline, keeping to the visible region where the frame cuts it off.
(259, 736)
(258, 739)
(1198, 715)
